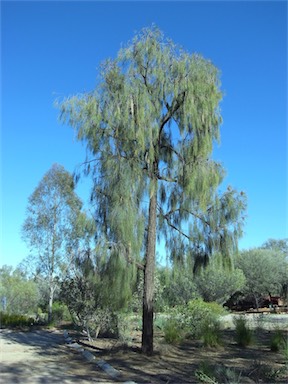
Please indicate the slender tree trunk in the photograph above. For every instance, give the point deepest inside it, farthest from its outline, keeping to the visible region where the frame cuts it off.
(256, 302)
(52, 265)
(50, 303)
(148, 294)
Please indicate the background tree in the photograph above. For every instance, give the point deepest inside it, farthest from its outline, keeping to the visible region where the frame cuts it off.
(79, 291)
(218, 283)
(277, 245)
(280, 245)
(52, 227)
(18, 294)
(265, 271)
(93, 291)
(180, 289)
(150, 126)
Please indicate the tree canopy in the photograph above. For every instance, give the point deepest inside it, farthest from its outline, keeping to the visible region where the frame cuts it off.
(218, 283)
(53, 226)
(149, 126)
(265, 271)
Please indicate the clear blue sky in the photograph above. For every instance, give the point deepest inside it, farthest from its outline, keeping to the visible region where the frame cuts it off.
(53, 49)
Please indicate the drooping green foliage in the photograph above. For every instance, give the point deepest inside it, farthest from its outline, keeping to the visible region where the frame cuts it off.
(117, 278)
(94, 292)
(149, 126)
(155, 102)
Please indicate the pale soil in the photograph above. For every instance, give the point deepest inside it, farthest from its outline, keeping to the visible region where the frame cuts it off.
(41, 356)
(179, 363)
(267, 321)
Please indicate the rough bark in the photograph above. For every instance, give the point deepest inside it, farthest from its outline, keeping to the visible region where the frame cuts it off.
(148, 295)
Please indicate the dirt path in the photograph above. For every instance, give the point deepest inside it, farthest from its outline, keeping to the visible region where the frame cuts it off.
(42, 357)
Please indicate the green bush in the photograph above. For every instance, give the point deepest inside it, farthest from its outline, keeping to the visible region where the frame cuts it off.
(127, 325)
(206, 373)
(15, 320)
(285, 350)
(278, 341)
(160, 321)
(261, 372)
(103, 322)
(198, 319)
(243, 335)
(217, 283)
(211, 335)
(173, 334)
(215, 374)
(202, 317)
(60, 313)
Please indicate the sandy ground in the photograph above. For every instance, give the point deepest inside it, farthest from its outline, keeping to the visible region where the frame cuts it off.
(257, 320)
(43, 357)
(178, 364)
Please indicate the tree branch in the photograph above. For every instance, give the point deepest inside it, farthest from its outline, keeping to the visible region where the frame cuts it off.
(177, 229)
(169, 213)
(168, 179)
(176, 103)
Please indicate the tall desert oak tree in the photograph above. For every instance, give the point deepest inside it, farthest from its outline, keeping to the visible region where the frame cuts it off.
(149, 126)
(53, 226)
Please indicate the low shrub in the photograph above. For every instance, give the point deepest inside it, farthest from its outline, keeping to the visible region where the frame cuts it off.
(279, 342)
(261, 372)
(216, 374)
(201, 317)
(198, 319)
(173, 334)
(127, 325)
(285, 350)
(102, 322)
(211, 335)
(15, 320)
(243, 335)
(160, 322)
(205, 373)
(60, 313)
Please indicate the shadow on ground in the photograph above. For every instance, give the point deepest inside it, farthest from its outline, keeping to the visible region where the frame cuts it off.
(41, 356)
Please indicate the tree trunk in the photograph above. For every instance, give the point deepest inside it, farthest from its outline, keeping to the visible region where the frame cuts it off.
(148, 294)
(50, 304)
(256, 302)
